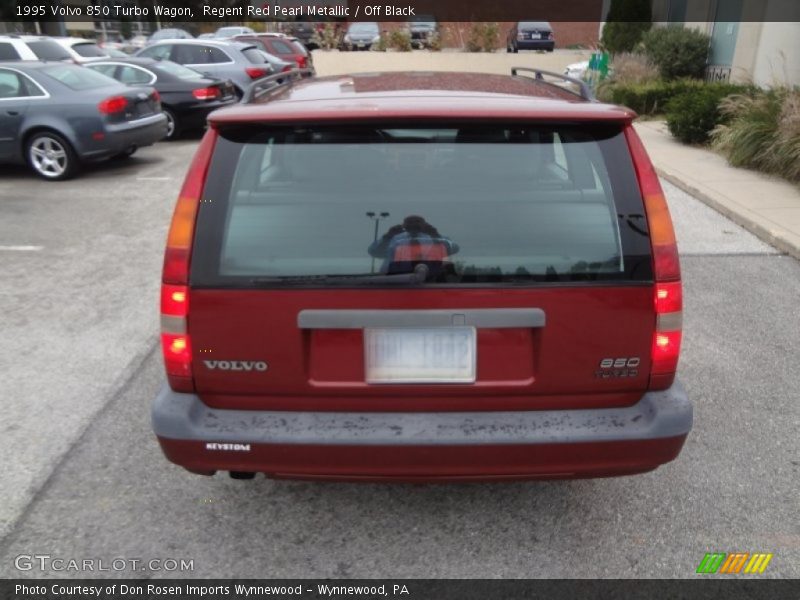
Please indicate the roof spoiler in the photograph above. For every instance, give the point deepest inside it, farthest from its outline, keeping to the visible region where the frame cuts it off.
(538, 75)
(270, 83)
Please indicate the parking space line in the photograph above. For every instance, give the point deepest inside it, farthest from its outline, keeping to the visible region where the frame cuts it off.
(21, 248)
(153, 178)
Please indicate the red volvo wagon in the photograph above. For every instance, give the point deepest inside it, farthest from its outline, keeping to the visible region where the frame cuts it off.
(421, 276)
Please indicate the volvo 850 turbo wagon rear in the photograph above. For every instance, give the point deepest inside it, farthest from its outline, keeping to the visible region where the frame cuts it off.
(416, 276)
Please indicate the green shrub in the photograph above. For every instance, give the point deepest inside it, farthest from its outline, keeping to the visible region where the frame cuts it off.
(693, 114)
(400, 40)
(762, 132)
(626, 23)
(649, 98)
(483, 37)
(677, 51)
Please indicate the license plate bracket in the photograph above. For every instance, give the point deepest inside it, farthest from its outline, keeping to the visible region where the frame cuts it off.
(406, 355)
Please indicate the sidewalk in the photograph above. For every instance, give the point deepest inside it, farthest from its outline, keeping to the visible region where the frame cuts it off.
(766, 206)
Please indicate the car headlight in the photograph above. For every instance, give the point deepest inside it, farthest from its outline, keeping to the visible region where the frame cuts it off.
(376, 39)
(347, 38)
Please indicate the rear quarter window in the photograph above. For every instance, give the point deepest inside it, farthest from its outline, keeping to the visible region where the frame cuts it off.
(8, 52)
(511, 204)
(48, 50)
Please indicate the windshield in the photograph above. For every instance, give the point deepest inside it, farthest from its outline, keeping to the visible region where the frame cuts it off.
(485, 204)
(176, 70)
(78, 78)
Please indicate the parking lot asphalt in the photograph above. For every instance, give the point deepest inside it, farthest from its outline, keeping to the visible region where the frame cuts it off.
(85, 478)
(78, 301)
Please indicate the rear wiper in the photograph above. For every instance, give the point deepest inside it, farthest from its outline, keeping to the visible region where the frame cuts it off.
(418, 275)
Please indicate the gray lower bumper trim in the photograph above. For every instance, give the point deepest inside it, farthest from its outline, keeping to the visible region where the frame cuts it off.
(656, 415)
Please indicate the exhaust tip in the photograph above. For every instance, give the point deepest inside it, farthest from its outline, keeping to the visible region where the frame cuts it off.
(242, 475)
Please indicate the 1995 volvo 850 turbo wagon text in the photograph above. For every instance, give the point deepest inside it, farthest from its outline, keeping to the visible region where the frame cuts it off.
(417, 276)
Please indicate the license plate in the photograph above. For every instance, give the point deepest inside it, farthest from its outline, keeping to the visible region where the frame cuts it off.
(536, 36)
(409, 355)
(360, 45)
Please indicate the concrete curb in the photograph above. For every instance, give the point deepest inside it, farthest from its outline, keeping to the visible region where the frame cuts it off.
(772, 238)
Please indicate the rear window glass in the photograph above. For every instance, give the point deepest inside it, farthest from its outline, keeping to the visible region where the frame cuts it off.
(255, 56)
(534, 25)
(481, 204)
(179, 71)
(48, 50)
(89, 50)
(77, 78)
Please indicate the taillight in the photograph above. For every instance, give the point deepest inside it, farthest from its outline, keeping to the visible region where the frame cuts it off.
(175, 340)
(286, 69)
(209, 93)
(301, 61)
(668, 300)
(112, 105)
(255, 72)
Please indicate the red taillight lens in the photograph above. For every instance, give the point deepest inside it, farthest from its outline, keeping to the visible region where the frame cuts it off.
(668, 293)
(209, 93)
(175, 340)
(666, 265)
(301, 61)
(286, 69)
(255, 72)
(115, 104)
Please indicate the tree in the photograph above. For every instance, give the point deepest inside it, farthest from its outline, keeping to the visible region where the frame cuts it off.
(626, 23)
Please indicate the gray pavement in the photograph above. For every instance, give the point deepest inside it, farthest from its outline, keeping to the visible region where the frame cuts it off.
(79, 264)
(93, 483)
(765, 205)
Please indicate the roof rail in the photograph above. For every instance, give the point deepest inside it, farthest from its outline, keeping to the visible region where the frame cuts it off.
(272, 82)
(538, 75)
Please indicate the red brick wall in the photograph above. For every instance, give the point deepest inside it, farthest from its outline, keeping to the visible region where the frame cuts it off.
(455, 35)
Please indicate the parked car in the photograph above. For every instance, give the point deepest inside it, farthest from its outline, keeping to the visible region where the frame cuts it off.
(57, 116)
(82, 50)
(240, 62)
(186, 95)
(169, 34)
(114, 53)
(420, 276)
(229, 32)
(303, 31)
(205, 36)
(31, 47)
(286, 48)
(577, 70)
(422, 29)
(531, 35)
(361, 35)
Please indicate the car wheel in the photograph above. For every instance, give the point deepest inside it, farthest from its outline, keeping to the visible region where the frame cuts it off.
(172, 125)
(515, 49)
(51, 156)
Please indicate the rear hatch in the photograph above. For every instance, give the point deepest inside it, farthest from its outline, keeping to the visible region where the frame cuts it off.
(421, 267)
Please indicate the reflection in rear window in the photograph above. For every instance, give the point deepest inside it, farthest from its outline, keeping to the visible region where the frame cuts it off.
(484, 203)
(78, 78)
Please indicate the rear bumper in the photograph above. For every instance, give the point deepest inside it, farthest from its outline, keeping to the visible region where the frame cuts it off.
(536, 44)
(422, 446)
(118, 138)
